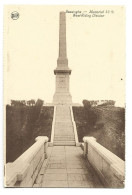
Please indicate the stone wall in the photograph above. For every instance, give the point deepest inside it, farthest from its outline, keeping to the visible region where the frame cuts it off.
(109, 167)
(24, 170)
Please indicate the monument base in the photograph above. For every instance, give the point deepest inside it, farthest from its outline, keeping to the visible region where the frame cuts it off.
(62, 98)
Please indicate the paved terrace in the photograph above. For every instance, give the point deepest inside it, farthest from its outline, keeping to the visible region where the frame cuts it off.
(66, 167)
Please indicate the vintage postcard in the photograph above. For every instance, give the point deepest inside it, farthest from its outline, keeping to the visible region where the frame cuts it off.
(64, 96)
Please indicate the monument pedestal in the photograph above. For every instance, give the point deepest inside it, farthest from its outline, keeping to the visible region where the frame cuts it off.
(62, 98)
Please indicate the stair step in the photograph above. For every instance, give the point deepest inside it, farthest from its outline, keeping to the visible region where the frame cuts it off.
(67, 131)
(63, 120)
(64, 129)
(64, 139)
(63, 124)
(67, 135)
(64, 143)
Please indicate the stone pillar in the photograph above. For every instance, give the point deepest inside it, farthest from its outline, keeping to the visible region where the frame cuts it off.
(62, 59)
(62, 72)
(62, 35)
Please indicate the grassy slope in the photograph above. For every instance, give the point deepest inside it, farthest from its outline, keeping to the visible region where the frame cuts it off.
(23, 125)
(109, 129)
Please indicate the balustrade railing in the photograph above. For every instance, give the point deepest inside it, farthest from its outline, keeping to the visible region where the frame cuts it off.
(109, 167)
(24, 170)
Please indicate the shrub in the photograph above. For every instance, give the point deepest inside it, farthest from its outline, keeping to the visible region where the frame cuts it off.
(86, 104)
(89, 113)
(108, 103)
(39, 103)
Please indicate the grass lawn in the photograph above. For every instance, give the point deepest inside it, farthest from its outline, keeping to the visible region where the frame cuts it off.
(23, 125)
(108, 129)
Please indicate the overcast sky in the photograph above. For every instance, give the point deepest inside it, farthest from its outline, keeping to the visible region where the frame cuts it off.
(95, 51)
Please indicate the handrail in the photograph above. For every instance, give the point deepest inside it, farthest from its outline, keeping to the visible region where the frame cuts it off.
(53, 125)
(74, 127)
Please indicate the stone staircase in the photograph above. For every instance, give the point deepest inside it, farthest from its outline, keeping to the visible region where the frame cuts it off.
(63, 129)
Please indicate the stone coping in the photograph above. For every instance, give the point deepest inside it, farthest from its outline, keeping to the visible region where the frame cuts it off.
(53, 125)
(74, 126)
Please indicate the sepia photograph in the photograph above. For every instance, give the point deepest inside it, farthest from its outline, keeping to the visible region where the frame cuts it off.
(64, 96)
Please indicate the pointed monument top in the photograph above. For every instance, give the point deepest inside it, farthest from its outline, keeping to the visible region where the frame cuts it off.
(62, 62)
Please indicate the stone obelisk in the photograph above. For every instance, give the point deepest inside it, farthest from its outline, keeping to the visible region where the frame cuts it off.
(62, 72)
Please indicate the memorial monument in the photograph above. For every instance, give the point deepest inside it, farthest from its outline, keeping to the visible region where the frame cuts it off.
(62, 72)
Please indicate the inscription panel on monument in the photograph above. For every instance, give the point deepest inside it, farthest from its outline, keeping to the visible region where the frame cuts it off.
(61, 82)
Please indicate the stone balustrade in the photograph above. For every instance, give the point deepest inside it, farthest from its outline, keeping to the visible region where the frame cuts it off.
(109, 167)
(24, 170)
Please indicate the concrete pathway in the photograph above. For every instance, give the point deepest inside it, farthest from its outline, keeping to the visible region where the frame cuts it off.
(66, 167)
